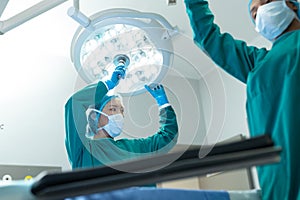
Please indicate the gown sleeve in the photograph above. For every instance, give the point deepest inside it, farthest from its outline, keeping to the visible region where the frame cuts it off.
(75, 120)
(161, 141)
(234, 56)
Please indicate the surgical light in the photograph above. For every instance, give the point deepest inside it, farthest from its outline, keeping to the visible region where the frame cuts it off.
(143, 39)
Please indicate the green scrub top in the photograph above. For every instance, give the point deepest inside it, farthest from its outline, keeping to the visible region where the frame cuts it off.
(83, 152)
(273, 94)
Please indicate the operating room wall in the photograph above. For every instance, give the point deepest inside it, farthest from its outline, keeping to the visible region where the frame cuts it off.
(37, 77)
(209, 109)
(32, 109)
(224, 106)
(33, 97)
(141, 112)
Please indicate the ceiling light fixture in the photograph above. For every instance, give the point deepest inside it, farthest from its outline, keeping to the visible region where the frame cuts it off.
(145, 39)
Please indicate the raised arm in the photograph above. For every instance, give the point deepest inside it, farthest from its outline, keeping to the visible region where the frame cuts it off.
(75, 115)
(234, 56)
(75, 120)
(166, 136)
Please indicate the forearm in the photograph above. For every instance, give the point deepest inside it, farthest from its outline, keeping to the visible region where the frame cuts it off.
(73, 141)
(168, 130)
(234, 56)
(91, 94)
(201, 20)
(75, 119)
(80, 102)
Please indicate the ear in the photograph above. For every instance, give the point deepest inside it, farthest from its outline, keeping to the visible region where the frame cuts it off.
(93, 121)
(102, 120)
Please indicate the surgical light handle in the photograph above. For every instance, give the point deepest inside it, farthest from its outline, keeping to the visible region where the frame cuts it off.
(121, 59)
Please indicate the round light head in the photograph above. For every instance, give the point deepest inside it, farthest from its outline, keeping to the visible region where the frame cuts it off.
(122, 34)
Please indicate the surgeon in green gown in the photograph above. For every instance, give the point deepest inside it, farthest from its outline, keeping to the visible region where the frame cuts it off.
(272, 78)
(93, 120)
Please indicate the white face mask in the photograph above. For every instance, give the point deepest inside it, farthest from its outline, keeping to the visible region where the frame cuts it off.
(273, 18)
(115, 124)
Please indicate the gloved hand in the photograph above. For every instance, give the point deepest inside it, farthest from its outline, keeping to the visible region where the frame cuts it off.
(116, 76)
(158, 92)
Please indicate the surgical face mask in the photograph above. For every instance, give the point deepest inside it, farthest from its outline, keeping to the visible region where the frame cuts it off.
(273, 18)
(115, 124)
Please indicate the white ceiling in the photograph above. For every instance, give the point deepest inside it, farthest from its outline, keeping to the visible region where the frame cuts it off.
(57, 28)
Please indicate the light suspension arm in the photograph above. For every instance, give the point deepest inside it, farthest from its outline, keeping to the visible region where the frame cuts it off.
(3, 4)
(85, 21)
(76, 4)
(28, 14)
(78, 16)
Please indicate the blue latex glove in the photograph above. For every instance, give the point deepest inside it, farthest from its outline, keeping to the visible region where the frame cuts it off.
(116, 76)
(158, 92)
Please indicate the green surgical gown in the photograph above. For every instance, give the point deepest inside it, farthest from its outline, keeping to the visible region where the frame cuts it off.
(273, 93)
(83, 152)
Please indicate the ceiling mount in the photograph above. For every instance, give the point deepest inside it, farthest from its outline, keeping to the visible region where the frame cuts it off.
(171, 2)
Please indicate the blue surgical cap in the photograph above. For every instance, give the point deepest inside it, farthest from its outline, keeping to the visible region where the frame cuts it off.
(249, 11)
(105, 100)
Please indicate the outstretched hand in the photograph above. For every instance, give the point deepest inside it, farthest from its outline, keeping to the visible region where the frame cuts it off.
(158, 93)
(116, 76)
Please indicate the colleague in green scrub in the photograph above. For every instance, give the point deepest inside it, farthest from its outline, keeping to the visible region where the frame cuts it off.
(93, 119)
(272, 78)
